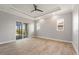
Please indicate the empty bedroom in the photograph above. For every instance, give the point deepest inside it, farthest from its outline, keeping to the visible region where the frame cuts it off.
(39, 29)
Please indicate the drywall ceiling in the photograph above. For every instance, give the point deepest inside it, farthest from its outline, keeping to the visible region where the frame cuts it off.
(24, 10)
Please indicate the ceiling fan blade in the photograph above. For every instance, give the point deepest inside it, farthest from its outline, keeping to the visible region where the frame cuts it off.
(32, 10)
(39, 10)
(35, 7)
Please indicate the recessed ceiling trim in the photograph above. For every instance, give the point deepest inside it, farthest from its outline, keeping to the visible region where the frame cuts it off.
(24, 11)
(55, 10)
(20, 11)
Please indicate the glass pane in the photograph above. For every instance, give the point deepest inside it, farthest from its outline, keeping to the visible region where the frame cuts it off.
(18, 30)
(24, 31)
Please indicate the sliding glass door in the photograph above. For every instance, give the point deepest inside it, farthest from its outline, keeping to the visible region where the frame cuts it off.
(18, 30)
(21, 30)
(24, 30)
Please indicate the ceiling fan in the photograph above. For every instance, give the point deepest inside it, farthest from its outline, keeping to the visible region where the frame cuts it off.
(36, 9)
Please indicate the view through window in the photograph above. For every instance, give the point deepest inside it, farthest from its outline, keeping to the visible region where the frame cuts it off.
(21, 30)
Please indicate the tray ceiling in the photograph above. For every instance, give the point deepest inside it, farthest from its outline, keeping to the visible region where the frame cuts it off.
(25, 9)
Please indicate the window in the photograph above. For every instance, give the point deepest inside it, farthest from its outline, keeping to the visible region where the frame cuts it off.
(60, 24)
(21, 30)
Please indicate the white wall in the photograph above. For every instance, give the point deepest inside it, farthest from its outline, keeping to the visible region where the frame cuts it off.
(8, 26)
(48, 28)
(75, 28)
(78, 30)
(35, 28)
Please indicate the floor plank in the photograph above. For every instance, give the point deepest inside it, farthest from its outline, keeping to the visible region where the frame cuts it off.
(37, 46)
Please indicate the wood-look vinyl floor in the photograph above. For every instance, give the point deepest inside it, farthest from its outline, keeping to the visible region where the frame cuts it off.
(37, 46)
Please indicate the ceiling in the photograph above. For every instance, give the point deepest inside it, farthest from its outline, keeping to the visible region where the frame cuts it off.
(24, 10)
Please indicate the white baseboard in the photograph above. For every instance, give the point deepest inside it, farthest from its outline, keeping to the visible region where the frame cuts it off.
(76, 50)
(13, 41)
(54, 39)
(7, 42)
